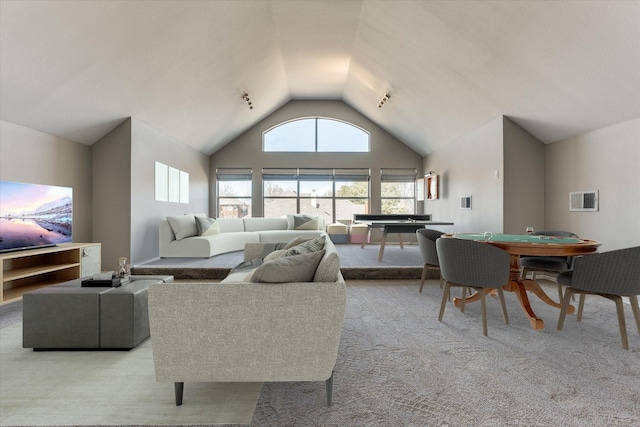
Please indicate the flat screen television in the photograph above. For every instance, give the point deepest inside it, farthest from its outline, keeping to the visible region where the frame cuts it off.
(34, 215)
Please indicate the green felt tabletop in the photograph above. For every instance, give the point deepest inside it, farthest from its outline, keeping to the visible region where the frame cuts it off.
(513, 238)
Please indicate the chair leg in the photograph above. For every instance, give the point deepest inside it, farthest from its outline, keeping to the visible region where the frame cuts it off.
(464, 299)
(621, 322)
(445, 298)
(565, 306)
(636, 310)
(504, 306)
(424, 275)
(560, 293)
(483, 305)
(329, 388)
(179, 389)
(581, 306)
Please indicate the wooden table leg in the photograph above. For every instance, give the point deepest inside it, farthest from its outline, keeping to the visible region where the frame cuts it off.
(400, 240)
(520, 291)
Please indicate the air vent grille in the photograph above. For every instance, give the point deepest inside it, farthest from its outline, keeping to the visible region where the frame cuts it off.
(583, 201)
(465, 202)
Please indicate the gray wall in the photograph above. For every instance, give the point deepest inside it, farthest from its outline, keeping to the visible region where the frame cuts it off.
(127, 214)
(149, 145)
(111, 162)
(27, 155)
(246, 150)
(523, 179)
(467, 167)
(606, 160)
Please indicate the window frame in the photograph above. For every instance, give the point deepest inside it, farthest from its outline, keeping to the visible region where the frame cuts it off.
(316, 119)
(305, 175)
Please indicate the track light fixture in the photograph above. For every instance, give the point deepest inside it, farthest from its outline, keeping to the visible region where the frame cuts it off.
(245, 96)
(384, 99)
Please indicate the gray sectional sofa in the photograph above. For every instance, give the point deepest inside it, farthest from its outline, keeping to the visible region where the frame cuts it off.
(179, 236)
(243, 331)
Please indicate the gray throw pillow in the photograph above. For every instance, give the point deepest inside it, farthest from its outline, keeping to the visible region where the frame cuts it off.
(296, 268)
(303, 222)
(207, 226)
(313, 245)
(295, 242)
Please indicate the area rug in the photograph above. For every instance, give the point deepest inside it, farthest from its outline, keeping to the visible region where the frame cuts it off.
(396, 366)
(74, 388)
(399, 366)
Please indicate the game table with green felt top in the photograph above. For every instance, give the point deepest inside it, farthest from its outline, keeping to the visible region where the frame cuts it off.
(523, 244)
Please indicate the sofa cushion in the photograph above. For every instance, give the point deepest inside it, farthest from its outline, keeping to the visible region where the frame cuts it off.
(262, 224)
(207, 226)
(309, 246)
(183, 226)
(295, 268)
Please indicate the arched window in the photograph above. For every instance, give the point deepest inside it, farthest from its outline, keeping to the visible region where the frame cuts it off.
(316, 134)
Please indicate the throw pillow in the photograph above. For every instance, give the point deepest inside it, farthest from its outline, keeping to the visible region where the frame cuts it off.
(297, 268)
(275, 254)
(183, 226)
(309, 246)
(305, 222)
(302, 222)
(295, 242)
(207, 226)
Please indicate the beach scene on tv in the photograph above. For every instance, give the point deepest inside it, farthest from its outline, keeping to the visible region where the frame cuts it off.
(34, 215)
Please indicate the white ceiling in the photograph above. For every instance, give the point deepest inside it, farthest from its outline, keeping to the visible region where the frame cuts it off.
(77, 69)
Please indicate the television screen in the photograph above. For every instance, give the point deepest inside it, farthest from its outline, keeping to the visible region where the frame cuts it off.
(34, 215)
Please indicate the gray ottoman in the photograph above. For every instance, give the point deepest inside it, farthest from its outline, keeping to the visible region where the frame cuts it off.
(68, 316)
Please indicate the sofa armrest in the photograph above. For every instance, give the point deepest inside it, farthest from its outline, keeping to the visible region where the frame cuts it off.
(253, 251)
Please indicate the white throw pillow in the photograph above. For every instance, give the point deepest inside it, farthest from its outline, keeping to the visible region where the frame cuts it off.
(183, 226)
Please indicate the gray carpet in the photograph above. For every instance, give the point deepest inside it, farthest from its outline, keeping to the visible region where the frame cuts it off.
(397, 365)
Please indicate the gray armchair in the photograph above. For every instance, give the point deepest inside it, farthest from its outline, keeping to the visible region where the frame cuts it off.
(612, 275)
(466, 263)
(547, 264)
(427, 242)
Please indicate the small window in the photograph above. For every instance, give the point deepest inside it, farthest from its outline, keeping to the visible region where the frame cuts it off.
(234, 193)
(398, 191)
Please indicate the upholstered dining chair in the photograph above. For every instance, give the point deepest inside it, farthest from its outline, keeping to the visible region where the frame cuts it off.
(427, 242)
(547, 264)
(466, 263)
(612, 274)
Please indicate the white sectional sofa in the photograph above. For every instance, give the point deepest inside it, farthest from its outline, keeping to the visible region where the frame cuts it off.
(241, 330)
(179, 235)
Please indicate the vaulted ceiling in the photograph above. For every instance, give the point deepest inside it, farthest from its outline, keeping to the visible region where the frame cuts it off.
(77, 69)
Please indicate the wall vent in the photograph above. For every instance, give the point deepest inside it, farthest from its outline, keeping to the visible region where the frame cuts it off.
(583, 201)
(465, 202)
